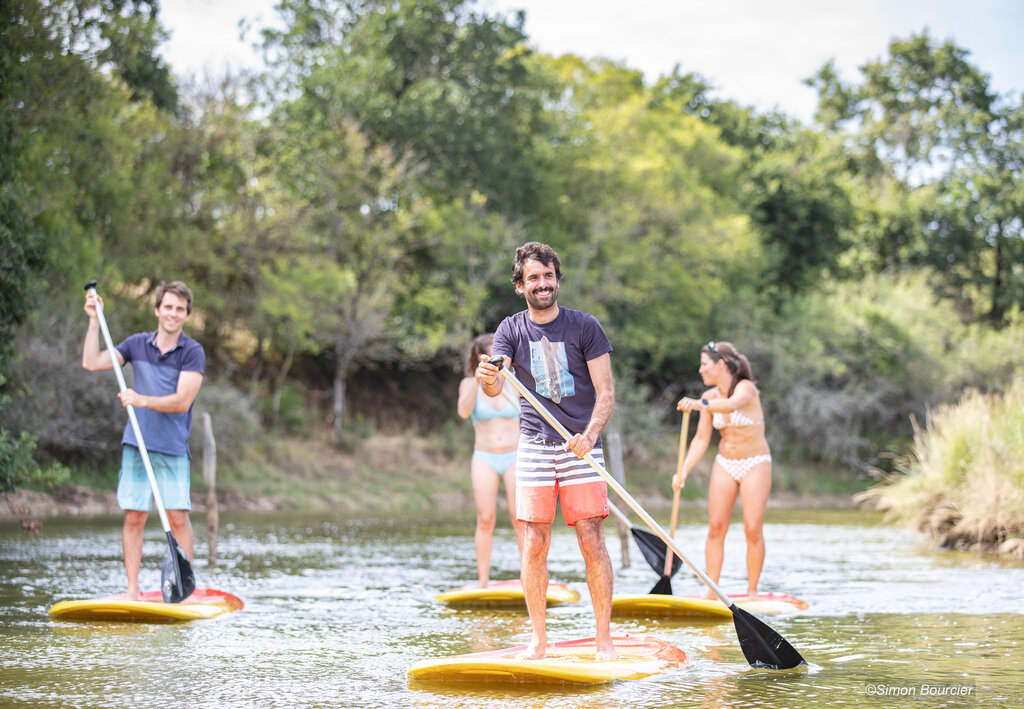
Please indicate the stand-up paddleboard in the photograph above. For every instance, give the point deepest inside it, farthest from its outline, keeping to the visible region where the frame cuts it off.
(150, 608)
(508, 594)
(568, 662)
(660, 605)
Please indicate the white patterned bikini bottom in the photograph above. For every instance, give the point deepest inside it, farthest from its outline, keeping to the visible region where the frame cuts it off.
(739, 467)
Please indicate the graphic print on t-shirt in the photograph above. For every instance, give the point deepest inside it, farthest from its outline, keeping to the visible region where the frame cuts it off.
(550, 369)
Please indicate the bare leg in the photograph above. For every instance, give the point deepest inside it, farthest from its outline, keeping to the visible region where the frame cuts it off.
(754, 497)
(485, 492)
(510, 494)
(181, 528)
(590, 535)
(722, 491)
(131, 543)
(534, 574)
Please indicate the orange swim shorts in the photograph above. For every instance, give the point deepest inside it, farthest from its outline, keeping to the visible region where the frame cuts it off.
(546, 472)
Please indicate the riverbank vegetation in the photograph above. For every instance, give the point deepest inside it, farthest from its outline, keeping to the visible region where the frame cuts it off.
(346, 217)
(963, 482)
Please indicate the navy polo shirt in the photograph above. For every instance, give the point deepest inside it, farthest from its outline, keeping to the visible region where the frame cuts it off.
(156, 374)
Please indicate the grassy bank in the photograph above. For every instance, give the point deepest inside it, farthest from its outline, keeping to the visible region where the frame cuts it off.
(398, 473)
(964, 483)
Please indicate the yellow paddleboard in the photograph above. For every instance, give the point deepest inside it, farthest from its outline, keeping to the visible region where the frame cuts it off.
(150, 608)
(507, 594)
(568, 662)
(653, 604)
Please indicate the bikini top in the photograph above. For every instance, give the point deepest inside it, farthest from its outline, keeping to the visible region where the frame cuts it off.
(736, 418)
(484, 411)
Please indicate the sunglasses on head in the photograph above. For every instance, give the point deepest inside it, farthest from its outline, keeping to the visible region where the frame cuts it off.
(711, 346)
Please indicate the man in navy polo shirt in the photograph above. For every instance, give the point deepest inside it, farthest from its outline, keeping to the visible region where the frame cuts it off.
(168, 367)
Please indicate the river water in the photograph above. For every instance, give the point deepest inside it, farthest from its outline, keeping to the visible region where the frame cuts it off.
(338, 609)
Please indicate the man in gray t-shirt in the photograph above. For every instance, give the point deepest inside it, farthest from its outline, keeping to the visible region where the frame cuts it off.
(564, 356)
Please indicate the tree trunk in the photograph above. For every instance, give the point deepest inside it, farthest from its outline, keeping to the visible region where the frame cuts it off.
(998, 312)
(340, 373)
(257, 370)
(282, 378)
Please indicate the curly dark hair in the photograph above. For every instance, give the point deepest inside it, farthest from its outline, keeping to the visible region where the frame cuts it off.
(535, 251)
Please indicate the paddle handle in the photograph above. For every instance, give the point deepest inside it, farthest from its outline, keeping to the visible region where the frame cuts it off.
(91, 287)
(612, 482)
(683, 430)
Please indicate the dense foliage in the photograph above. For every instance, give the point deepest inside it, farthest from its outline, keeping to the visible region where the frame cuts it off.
(347, 219)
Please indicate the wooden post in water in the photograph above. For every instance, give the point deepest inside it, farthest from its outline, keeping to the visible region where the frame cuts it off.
(613, 447)
(210, 478)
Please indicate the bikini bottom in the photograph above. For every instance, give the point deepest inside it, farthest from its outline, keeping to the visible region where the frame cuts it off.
(739, 467)
(498, 462)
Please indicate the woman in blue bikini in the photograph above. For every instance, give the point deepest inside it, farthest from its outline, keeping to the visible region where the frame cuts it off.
(743, 465)
(496, 424)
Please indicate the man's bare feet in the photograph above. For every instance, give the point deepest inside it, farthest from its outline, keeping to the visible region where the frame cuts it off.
(482, 584)
(536, 650)
(606, 652)
(130, 595)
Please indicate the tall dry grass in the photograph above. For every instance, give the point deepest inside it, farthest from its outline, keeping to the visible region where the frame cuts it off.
(964, 481)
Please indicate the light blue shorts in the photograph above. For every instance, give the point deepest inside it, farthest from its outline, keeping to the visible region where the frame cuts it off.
(498, 462)
(172, 477)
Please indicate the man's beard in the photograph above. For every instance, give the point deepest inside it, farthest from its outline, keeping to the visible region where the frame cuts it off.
(534, 302)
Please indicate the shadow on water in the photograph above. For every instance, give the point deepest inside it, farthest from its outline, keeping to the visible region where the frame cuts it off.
(338, 609)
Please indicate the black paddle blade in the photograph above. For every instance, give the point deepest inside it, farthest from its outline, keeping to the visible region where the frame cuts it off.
(762, 646)
(177, 579)
(663, 587)
(654, 550)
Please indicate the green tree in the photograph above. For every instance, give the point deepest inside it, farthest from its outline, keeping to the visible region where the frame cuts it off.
(936, 157)
(355, 206)
(67, 63)
(437, 79)
(225, 215)
(794, 182)
(73, 78)
(976, 230)
(641, 202)
(802, 207)
(919, 109)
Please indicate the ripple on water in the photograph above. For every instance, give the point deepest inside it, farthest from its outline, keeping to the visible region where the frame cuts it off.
(337, 610)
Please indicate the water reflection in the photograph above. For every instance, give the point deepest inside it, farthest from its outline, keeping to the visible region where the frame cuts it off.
(336, 610)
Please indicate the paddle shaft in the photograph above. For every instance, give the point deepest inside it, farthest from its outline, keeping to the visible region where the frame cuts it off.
(684, 429)
(612, 482)
(131, 410)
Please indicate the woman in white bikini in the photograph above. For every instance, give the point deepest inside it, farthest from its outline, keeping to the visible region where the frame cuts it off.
(743, 466)
(496, 424)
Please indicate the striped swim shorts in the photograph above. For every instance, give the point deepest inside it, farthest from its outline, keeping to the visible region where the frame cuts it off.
(546, 473)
